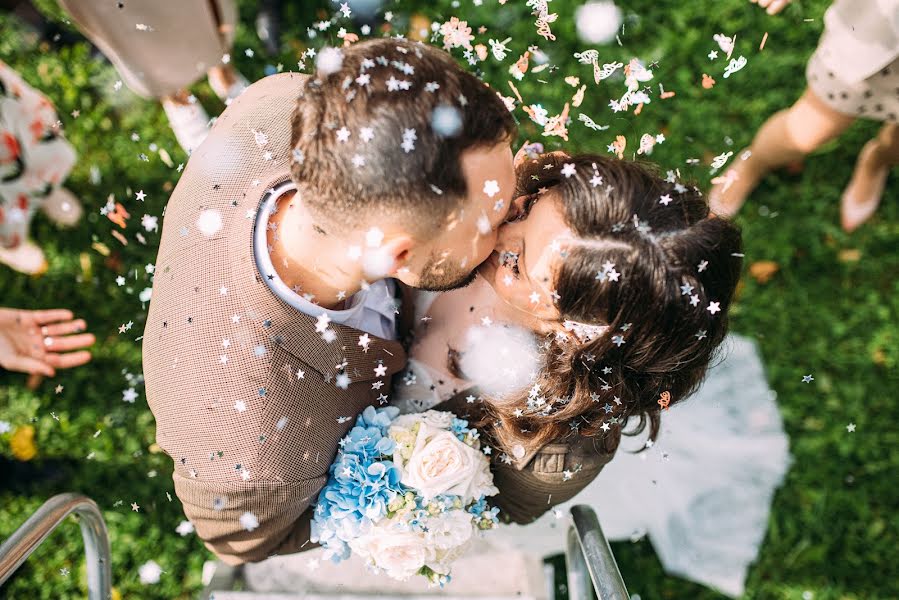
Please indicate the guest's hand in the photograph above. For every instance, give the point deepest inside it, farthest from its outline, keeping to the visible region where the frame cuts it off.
(772, 7)
(41, 341)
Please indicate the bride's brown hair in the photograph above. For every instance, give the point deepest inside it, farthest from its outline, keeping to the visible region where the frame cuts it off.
(674, 260)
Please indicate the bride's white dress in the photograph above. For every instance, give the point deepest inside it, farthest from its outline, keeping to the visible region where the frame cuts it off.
(702, 492)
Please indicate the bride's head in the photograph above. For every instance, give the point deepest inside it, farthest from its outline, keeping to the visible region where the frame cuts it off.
(629, 277)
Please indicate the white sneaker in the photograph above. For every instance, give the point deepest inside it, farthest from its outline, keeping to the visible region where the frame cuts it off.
(189, 122)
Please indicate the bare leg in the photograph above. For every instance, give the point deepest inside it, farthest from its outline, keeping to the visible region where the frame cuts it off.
(862, 195)
(226, 82)
(787, 136)
(188, 120)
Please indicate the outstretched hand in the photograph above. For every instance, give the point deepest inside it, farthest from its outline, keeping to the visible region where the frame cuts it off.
(41, 341)
(772, 7)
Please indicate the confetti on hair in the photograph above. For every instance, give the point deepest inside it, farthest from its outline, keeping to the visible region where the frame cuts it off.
(665, 400)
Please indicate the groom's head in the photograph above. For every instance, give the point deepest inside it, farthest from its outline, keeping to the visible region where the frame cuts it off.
(405, 157)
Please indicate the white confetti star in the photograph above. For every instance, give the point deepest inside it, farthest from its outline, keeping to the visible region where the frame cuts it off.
(568, 169)
(322, 322)
(714, 307)
(364, 341)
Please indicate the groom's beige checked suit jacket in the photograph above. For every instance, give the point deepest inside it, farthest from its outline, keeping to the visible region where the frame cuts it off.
(242, 385)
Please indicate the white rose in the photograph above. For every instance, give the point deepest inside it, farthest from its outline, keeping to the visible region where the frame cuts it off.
(441, 464)
(401, 554)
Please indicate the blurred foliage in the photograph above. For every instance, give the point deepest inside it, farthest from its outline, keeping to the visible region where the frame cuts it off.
(831, 309)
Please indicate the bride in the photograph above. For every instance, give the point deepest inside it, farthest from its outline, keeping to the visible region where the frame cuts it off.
(601, 308)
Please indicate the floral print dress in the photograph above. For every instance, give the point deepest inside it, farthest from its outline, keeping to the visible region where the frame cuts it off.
(34, 157)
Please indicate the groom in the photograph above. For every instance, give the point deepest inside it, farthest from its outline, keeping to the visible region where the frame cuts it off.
(273, 318)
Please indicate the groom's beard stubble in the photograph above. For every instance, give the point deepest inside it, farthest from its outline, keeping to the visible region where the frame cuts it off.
(435, 278)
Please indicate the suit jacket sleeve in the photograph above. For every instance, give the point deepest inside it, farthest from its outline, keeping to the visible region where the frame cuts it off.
(248, 522)
(555, 475)
(530, 487)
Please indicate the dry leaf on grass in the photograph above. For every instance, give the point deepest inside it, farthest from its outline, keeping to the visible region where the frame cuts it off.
(763, 270)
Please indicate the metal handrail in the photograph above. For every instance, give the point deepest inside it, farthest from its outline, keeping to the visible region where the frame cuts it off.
(589, 559)
(15, 550)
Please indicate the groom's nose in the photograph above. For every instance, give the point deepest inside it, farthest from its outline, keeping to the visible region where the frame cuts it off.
(505, 235)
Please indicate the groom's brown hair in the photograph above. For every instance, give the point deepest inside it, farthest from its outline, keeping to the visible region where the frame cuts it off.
(380, 128)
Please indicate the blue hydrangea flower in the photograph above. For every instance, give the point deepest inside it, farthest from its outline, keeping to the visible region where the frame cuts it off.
(362, 483)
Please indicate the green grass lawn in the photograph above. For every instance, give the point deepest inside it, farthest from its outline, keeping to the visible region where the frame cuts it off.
(832, 310)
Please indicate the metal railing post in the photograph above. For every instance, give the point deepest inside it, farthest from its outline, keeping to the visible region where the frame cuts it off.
(15, 550)
(589, 560)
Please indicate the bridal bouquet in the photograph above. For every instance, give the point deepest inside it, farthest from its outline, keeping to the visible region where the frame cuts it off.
(406, 493)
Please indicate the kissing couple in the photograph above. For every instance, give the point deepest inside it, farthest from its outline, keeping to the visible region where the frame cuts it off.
(290, 293)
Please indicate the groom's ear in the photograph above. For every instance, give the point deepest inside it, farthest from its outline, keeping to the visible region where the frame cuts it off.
(389, 257)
